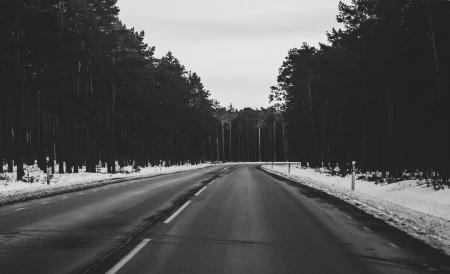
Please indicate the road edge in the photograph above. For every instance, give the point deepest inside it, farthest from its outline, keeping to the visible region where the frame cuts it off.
(23, 197)
(405, 225)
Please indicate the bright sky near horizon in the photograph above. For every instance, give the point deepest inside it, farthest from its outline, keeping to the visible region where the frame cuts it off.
(235, 46)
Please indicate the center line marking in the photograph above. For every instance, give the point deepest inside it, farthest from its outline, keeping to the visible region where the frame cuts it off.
(65, 197)
(394, 245)
(20, 208)
(177, 212)
(81, 193)
(44, 203)
(128, 257)
(367, 229)
(200, 191)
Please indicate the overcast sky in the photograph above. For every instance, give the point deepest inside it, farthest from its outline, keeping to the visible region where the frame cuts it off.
(236, 46)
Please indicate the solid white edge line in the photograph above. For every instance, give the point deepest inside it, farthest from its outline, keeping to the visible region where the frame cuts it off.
(200, 191)
(128, 257)
(177, 212)
(19, 209)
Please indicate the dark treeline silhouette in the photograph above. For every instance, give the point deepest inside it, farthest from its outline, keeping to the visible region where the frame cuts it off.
(80, 87)
(250, 135)
(378, 93)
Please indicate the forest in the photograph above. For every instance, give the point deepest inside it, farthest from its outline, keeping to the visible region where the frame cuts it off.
(81, 89)
(377, 93)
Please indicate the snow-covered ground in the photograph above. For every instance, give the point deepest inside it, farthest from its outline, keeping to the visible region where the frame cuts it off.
(408, 205)
(35, 181)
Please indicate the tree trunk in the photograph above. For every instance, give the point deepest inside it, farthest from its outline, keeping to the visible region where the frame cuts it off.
(19, 89)
(217, 146)
(112, 156)
(90, 163)
(230, 157)
(275, 141)
(223, 141)
(259, 142)
(324, 132)
(248, 144)
(284, 142)
(2, 127)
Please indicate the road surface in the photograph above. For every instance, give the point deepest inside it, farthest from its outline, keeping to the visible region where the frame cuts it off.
(233, 220)
(67, 233)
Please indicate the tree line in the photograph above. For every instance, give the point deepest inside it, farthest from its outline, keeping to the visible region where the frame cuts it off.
(377, 93)
(250, 135)
(79, 87)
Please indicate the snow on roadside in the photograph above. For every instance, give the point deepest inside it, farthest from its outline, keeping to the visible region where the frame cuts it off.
(411, 207)
(35, 181)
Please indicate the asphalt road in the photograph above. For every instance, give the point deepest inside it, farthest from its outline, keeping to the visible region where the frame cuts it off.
(68, 233)
(237, 221)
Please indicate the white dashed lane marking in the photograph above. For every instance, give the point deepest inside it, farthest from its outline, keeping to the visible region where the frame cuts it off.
(177, 212)
(393, 245)
(128, 257)
(200, 191)
(19, 209)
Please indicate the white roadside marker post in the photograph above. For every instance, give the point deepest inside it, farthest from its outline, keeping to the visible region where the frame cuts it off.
(48, 169)
(353, 175)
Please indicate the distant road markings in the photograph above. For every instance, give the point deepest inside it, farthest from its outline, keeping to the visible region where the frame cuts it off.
(64, 197)
(177, 212)
(394, 245)
(349, 217)
(200, 191)
(19, 209)
(129, 256)
(367, 229)
(81, 193)
(44, 203)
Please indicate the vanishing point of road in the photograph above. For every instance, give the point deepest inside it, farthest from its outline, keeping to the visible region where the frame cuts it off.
(220, 219)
